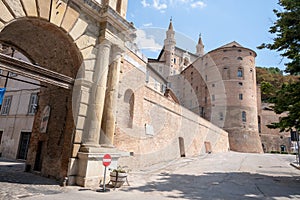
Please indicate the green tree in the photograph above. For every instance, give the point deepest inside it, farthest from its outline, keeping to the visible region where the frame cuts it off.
(287, 31)
(287, 41)
(271, 80)
(287, 101)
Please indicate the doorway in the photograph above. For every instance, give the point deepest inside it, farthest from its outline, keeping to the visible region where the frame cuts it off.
(181, 147)
(38, 157)
(23, 145)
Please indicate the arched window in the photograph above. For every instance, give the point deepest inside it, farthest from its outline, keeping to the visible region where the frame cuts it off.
(240, 58)
(240, 96)
(226, 74)
(186, 61)
(244, 116)
(129, 100)
(240, 72)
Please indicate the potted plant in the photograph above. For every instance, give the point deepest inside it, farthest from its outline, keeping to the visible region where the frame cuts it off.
(118, 177)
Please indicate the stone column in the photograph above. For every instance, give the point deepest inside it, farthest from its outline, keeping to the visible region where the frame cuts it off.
(109, 114)
(90, 138)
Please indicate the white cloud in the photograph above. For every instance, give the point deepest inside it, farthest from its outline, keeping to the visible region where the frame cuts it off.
(145, 4)
(159, 6)
(147, 25)
(162, 5)
(198, 4)
(185, 1)
(177, 2)
(146, 42)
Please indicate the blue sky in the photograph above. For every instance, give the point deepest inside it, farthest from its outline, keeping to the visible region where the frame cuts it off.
(218, 21)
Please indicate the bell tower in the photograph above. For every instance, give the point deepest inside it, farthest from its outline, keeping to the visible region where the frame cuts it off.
(170, 44)
(200, 47)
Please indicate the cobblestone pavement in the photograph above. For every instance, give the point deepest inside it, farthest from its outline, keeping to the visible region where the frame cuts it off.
(228, 176)
(17, 184)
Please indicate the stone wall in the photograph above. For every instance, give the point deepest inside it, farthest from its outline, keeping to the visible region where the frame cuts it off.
(272, 139)
(56, 142)
(157, 124)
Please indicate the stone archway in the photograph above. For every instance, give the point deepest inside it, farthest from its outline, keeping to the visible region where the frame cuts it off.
(48, 46)
(93, 35)
(54, 35)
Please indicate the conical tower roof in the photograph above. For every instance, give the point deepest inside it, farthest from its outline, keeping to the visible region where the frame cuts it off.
(171, 25)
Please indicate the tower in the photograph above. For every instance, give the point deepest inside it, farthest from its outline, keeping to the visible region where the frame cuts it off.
(233, 92)
(169, 47)
(200, 47)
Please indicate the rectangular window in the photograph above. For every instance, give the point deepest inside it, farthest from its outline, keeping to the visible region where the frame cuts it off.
(241, 96)
(160, 69)
(33, 102)
(11, 74)
(174, 60)
(213, 97)
(155, 84)
(221, 116)
(240, 73)
(6, 105)
(147, 76)
(162, 88)
(244, 117)
(201, 111)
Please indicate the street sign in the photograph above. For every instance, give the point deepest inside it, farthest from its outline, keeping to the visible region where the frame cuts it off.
(106, 160)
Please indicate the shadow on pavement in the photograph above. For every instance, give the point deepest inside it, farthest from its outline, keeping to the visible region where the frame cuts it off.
(223, 186)
(13, 172)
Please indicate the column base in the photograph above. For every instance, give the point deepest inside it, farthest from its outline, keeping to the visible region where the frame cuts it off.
(90, 169)
(90, 148)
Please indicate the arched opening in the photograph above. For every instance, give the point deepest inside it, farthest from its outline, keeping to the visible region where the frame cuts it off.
(129, 100)
(48, 47)
(181, 147)
(186, 61)
(226, 73)
(259, 123)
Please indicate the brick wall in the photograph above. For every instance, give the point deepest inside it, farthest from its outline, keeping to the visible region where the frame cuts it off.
(157, 125)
